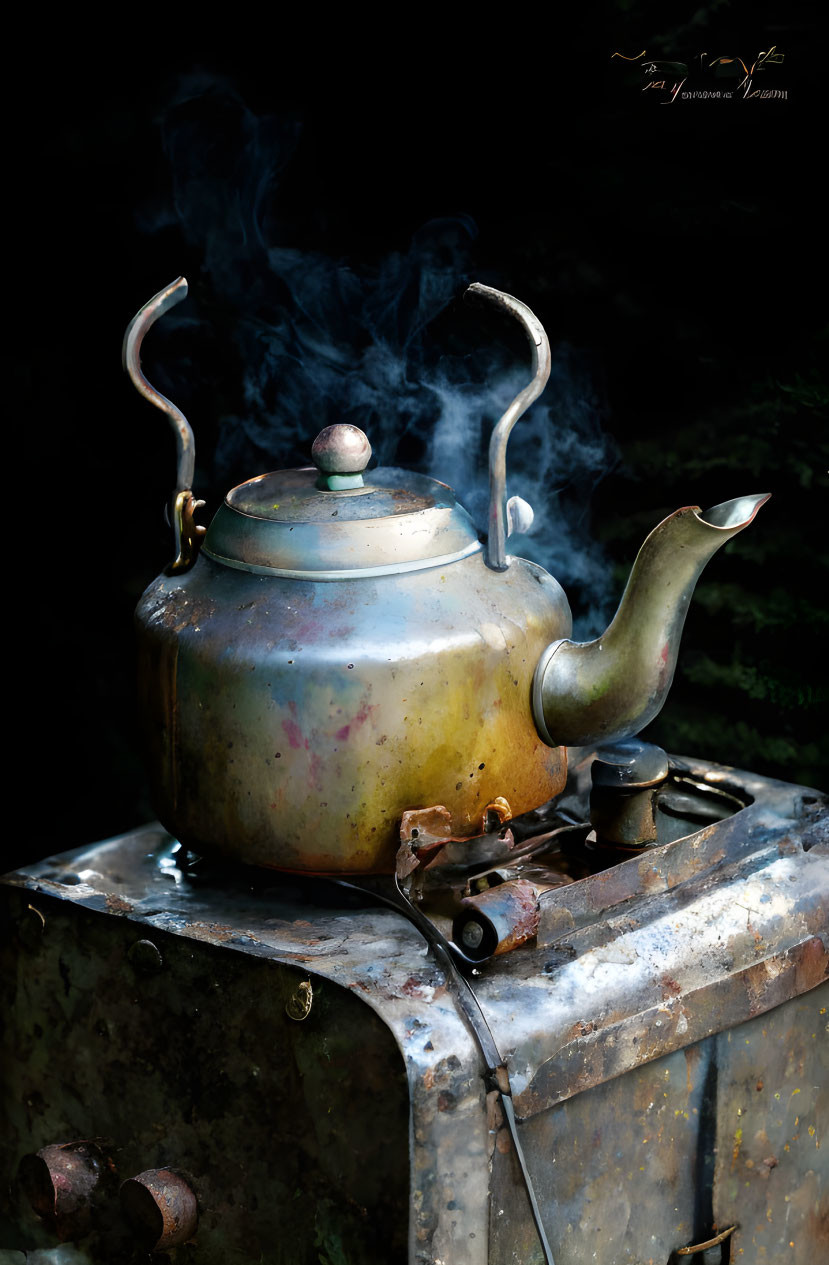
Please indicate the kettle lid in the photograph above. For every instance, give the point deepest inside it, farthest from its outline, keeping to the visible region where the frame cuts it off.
(336, 520)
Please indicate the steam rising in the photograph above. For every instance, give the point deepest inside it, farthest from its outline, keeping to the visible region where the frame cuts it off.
(320, 342)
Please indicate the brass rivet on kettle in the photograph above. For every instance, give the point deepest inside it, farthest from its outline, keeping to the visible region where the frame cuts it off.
(298, 1005)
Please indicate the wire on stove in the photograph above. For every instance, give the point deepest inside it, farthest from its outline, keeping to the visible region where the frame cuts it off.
(476, 1021)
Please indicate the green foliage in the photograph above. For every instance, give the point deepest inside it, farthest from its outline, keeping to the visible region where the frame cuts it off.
(327, 1235)
(744, 608)
(755, 681)
(691, 731)
(811, 392)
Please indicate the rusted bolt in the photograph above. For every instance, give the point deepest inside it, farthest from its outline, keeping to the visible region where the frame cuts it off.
(472, 935)
(298, 1006)
(145, 956)
(30, 927)
(161, 1208)
(59, 1181)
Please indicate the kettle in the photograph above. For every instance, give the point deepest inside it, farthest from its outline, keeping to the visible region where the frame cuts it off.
(340, 647)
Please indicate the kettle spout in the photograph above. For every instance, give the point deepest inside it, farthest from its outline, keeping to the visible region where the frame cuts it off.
(610, 688)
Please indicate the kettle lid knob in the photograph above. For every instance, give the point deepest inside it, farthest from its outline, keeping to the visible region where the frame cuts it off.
(340, 453)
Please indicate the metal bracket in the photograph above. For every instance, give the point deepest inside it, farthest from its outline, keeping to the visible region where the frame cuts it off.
(188, 533)
(693, 1248)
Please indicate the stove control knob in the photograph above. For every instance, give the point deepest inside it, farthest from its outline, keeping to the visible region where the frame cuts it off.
(627, 776)
(161, 1208)
(60, 1182)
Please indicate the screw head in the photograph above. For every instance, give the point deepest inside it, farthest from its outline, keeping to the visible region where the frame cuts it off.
(472, 935)
(145, 957)
(298, 1006)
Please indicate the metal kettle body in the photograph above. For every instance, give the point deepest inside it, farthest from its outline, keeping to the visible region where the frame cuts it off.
(291, 723)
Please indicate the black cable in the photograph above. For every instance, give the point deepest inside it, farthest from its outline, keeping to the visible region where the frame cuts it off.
(496, 1071)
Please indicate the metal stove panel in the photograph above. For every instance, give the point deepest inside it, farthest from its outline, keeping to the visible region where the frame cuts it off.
(181, 1055)
(729, 1131)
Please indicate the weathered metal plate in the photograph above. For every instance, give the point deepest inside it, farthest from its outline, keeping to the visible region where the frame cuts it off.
(771, 1172)
(730, 1130)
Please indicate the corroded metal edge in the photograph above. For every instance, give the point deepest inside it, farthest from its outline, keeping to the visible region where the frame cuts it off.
(658, 952)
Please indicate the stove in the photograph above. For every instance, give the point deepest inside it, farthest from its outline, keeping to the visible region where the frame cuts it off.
(212, 1063)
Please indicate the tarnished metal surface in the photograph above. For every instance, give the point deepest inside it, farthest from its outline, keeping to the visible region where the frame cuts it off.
(341, 450)
(496, 550)
(298, 1006)
(138, 327)
(730, 1129)
(196, 1066)
(624, 819)
(160, 1207)
(292, 724)
(497, 920)
(281, 524)
(430, 851)
(655, 953)
(61, 1182)
(629, 765)
(664, 1037)
(612, 687)
(293, 496)
(623, 798)
(770, 1161)
(186, 532)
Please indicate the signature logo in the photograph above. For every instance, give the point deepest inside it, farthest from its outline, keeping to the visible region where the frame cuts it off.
(709, 77)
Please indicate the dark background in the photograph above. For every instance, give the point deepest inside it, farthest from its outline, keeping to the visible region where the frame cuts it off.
(676, 251)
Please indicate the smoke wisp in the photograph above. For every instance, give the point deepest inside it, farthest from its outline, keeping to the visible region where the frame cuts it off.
(319, 341)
